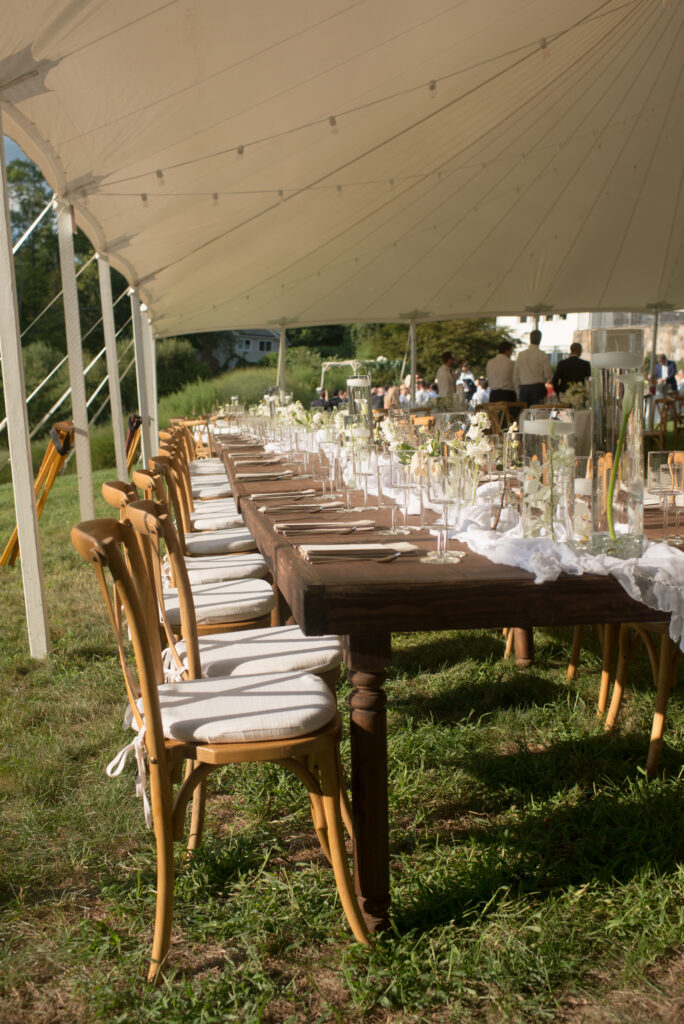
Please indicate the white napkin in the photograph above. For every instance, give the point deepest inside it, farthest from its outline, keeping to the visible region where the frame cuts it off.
(294, 495)
(265, 476)
(329, 506)
(255, 461)
(341, 527)
(356, 552)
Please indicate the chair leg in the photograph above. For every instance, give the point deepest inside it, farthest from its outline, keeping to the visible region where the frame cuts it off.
(607, 645)
(199, 800)
(669, 656)
(345, 806)
(510, 637)
(317, 812)
(624, 654)
(165, 876)
(330, 786)
(574, 653)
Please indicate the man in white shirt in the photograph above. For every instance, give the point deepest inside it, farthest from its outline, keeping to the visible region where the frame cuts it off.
(531, 370)
(499, 373)
(423, 396)
(446, 379)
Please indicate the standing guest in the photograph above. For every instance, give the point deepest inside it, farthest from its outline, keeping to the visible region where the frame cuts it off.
(446, 378)
(530, 371)
(404, 396)
(666, 371)
(572, 370)
(467, 379)
(680, 381)
(500, 374)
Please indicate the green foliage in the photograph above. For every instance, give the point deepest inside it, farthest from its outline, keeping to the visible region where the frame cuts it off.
(330, 341)
(474, 340)
(177, 365)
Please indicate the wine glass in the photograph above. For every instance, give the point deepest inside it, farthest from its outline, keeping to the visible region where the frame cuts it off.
(445, 488)
(665, 481)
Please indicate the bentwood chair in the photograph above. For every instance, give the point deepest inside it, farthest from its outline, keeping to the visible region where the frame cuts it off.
(276, 648)
(289, 719)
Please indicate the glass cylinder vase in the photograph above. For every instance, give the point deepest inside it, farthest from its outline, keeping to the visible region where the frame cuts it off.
(548, 437)
(617, 386)
(359, 391)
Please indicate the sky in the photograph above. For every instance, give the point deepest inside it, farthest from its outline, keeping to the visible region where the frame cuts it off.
(12, 151)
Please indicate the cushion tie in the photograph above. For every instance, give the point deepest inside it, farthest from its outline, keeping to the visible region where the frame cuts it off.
(117, 764)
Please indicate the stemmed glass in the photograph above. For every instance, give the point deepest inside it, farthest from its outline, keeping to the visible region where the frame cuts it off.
(445, 487)
(665, 481)
(401, 479)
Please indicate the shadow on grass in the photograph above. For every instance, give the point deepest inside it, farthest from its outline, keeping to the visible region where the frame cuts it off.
(601, 838)
(472, 700)
(417, 652)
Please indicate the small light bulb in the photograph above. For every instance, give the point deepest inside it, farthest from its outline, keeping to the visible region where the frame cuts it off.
(145, 200)
(332, 121)
(240, 150)
(544, 47)
(281, 194)
(339, 190)
(160, 178)
(214, 199)
(432, 86)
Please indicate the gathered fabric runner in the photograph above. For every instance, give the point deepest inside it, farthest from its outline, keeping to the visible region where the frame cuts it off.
(656, 579)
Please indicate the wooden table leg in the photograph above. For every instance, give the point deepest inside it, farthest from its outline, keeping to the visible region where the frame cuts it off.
(523, 638)
(367, 657)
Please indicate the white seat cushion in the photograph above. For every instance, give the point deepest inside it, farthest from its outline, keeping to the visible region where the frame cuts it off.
(215, 489)
(212, 505)
(240, 710)
(203, 466)
(214, 568)
(250, 652)
(217, 521)
(223, 602)
(219, 542)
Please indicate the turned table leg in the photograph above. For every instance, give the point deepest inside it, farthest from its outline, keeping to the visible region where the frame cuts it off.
(523, 638)
(367, 658)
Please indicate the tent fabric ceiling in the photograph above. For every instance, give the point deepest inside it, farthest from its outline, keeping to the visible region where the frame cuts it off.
(270, 163)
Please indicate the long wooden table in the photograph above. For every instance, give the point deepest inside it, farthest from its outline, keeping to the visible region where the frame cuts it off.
(368, 601)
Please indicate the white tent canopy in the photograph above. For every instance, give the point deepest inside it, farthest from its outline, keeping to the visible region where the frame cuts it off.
(247, 164)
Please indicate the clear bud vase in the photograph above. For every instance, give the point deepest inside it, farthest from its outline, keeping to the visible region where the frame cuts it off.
(617, 386)
(548, 437)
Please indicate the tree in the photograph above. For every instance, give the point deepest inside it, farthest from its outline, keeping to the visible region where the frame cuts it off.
(474, 340)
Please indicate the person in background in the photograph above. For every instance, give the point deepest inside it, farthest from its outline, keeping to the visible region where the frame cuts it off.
(404, 396)
(499, 372)
(423, 396)
(446, 378)
(530, 371)
(482, 392)
(571, 370)
(666, 371)
(334, 400)
(321, 399)
(392, 398)
(467, 379)
(680, 381)
(377, 398)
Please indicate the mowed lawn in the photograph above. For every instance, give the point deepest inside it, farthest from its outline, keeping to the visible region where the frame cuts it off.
(536, 874)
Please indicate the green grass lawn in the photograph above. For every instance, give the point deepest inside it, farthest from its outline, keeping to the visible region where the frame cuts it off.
(536, 874)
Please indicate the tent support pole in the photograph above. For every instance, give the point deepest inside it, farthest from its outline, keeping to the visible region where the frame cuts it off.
(112, 365)
(18, 437)
(412, 346)
(151, 354)
(141, 364)
(651, 368)
(280, 374)
(79, 411)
